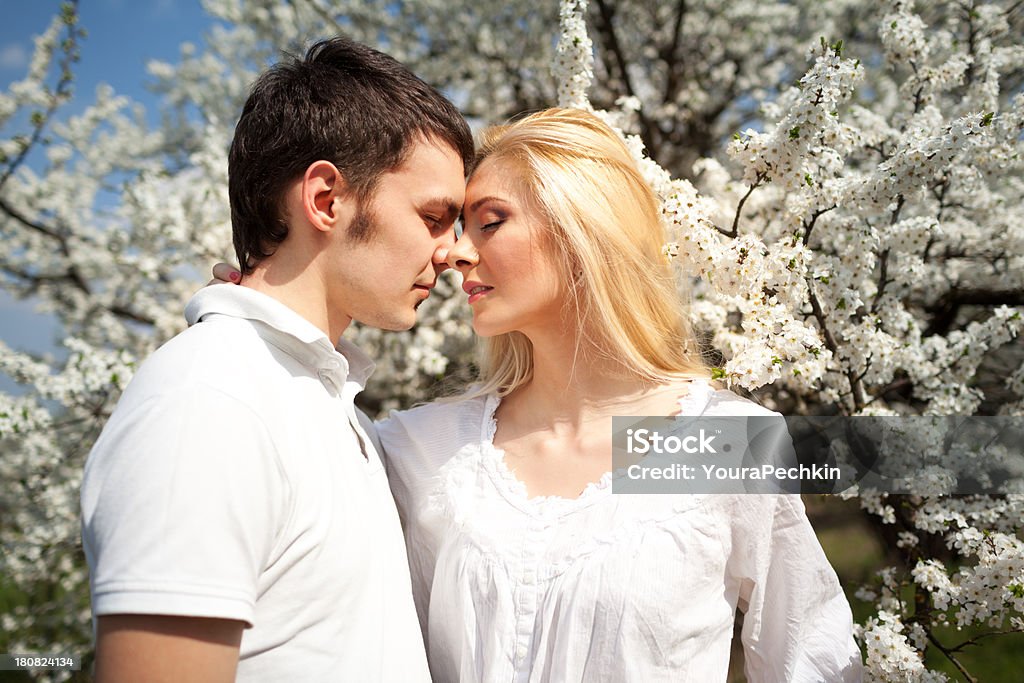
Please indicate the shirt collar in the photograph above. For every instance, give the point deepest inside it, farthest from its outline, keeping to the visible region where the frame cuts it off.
(285, 328)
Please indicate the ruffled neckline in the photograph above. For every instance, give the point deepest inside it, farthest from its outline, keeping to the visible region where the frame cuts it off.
(695, 402)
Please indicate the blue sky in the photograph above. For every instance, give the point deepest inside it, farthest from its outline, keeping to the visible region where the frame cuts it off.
(123, 35)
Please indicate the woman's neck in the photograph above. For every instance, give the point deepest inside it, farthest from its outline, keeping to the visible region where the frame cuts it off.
(572, 386)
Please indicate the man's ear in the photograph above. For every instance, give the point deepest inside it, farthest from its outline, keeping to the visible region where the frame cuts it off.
(324, 192)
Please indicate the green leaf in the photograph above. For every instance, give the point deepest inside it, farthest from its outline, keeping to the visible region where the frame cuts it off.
(717, 373)
(794, 133)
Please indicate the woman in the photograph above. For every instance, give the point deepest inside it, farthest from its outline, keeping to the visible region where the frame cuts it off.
(525, 565)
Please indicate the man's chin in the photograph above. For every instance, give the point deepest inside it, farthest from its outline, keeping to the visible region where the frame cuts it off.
(392, 323)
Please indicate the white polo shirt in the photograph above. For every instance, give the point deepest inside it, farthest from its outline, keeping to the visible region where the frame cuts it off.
(236, 479)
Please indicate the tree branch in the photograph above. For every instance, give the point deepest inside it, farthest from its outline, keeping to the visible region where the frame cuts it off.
(52, 233)
(670, 55)
(856, 387)
(60, 93)
(607, 29)
(948, 306)
(950, 656)
(975, 639)
(814, 219)
(123, 312)
(734, 231)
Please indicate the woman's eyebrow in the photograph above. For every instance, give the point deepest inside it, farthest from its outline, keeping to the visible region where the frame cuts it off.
(489, 198)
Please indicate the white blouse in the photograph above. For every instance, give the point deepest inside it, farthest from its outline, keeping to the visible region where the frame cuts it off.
(605, 587)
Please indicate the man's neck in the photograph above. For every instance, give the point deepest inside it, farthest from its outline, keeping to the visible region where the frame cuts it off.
(300, 289)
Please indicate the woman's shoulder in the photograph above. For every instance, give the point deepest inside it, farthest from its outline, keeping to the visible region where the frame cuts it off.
(724, 402)
(440, 423)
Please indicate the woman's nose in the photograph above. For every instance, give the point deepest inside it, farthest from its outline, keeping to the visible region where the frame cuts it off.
(462, 254)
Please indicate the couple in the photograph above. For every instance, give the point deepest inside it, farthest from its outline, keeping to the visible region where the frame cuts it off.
(237, 518)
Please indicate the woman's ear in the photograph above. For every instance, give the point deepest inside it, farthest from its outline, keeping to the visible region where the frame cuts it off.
(322, 194)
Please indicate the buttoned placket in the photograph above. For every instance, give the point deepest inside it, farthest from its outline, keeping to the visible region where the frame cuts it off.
(348, 398)
(528, 599)
(333, 374)
(328, 374)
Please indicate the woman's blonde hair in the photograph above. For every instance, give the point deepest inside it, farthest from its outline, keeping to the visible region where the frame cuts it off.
(605, 231)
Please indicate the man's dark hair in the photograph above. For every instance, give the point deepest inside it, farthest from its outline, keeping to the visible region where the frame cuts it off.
(345, 103)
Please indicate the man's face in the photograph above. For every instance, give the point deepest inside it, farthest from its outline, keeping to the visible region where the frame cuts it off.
(381, 280)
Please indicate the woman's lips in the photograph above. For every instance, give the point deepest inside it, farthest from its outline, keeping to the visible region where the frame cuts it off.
(475, 290)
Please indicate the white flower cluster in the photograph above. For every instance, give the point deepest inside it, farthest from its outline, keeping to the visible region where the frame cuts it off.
(891, 658)
(573, 68)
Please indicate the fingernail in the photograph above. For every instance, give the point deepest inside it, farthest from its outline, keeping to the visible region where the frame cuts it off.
(235, 276)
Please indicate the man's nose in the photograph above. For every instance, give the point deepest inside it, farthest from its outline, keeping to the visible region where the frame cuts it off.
(444, 245)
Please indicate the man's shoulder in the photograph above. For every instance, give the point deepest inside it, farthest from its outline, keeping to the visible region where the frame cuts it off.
(221, 335)
(224, 352)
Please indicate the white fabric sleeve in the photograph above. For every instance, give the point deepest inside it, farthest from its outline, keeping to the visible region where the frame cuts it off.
(396, 448)
(182, 499)
(797, 626)
(402, 454)
(416, 443)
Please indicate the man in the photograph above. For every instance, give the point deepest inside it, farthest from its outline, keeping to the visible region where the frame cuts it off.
(237, 520)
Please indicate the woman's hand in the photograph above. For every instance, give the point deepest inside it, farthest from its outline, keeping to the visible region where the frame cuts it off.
(225, 274)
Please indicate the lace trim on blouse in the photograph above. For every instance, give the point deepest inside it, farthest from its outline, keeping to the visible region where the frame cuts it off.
(695, 402)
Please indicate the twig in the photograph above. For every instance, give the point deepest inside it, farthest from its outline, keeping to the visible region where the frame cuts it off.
(734, 231)
(949, 655)
(814, 219)
(856, 388)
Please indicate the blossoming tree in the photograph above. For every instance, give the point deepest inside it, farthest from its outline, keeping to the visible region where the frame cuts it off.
(844, 179)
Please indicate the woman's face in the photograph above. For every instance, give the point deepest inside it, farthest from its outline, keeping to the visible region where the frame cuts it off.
(507, 263)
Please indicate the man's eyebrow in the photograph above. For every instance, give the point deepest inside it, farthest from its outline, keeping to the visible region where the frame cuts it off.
(449, 206)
